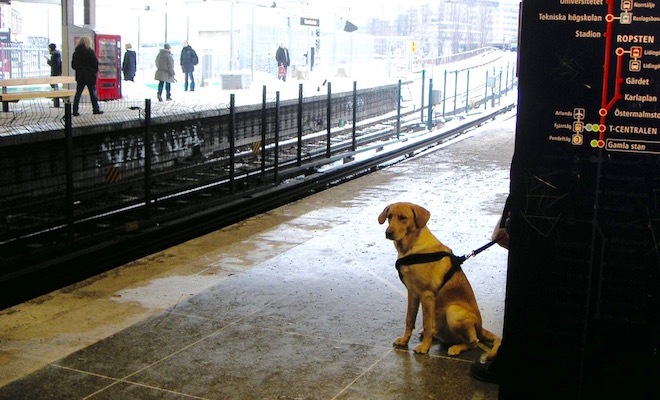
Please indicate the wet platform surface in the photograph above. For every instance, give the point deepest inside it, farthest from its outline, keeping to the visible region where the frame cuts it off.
(302, 302)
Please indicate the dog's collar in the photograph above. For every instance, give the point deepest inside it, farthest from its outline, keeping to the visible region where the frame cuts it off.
(429, 257)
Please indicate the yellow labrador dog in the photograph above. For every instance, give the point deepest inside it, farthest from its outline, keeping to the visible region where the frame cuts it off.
(449, 308)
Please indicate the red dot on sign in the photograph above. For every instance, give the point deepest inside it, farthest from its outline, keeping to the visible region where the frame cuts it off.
(609, 18)
(601, 128)
(602, 112)
(601, 143)
(619, 51)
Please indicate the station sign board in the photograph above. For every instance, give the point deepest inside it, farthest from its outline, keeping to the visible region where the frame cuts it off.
(585, 196)
(309, 21)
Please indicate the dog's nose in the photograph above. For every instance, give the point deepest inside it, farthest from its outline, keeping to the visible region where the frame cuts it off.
(389, 235)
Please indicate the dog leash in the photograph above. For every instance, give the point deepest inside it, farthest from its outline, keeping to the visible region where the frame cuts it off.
(456, 261)
(429, 257)
(480, 249)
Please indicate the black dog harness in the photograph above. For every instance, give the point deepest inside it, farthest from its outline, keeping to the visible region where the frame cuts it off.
(456, 262)
(430, 257)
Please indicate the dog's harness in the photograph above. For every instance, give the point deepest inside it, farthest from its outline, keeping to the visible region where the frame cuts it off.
(430, 257)
(456, 261)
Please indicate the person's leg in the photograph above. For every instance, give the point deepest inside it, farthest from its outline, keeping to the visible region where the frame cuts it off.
(185, 84)
(94, 98)
(167, 90)
(76, 98)
(56, 100)
(192, 82)
(160, 90)
(490, 371)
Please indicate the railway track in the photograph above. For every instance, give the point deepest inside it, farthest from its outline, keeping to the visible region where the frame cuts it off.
(198, 196)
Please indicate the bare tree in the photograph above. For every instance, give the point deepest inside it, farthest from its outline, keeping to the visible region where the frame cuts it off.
(484, 18)
(455, 18)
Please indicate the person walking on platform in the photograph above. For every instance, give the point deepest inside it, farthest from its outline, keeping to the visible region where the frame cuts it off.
(283, 61)
(188, 61)
(165, 71)
(129, 65)
(55, 62)
(86, 65)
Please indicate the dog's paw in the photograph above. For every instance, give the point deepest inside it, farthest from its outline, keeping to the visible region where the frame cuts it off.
(401, 342)
(454, 350)
(422, 349)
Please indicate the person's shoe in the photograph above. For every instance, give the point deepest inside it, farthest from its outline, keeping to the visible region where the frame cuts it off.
(76, 114)
(168, 99)
(98, 112)
(485, 372)
(160, 98)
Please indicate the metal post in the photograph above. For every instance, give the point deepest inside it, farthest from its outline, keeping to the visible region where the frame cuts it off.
(232, 142)
(492, 91)
(300, 114)
(329, 121)
(277, 136)
(467, 92)
(486, 94)
(355, 106)
(147, 158)
(398, 113)
(444, 95)
(499, 89)
(68, 154)
(263, 133)
(430, 113)
(422, 107)
(455, 91)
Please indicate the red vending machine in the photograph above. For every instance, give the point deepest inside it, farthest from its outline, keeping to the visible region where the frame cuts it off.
(108, 51)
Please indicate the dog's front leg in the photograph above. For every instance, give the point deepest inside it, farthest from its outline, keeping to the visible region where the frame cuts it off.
(411, 317)
(428, 322)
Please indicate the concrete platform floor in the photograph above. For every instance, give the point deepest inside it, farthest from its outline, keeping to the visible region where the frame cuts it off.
(302, 302)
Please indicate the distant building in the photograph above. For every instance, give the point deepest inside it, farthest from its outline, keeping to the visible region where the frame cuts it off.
(506, 23)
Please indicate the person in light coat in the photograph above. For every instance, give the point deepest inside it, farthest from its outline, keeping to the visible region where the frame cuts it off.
(164, 71)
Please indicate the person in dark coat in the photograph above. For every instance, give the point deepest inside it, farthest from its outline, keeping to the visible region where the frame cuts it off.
(164, 71)
(283, 60)
(86, 65)
(129, 65)
(55, 62)
(188, 61)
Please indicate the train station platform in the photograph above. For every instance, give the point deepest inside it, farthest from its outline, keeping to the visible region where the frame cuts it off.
(302, 302)
(39, 115)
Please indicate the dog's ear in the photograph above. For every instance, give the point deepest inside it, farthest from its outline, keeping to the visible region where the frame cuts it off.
(383, 216)
(422, 215)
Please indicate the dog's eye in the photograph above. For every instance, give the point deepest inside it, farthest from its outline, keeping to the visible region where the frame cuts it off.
(402, 218)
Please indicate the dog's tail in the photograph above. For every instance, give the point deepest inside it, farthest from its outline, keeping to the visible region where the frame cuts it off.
(492, 339)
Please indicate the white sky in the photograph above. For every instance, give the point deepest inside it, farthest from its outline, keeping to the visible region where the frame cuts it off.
(43, 19)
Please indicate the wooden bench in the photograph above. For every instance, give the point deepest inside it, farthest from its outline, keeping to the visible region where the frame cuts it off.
(16, 95)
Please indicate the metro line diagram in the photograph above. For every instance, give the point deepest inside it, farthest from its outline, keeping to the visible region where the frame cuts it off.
(635, 65)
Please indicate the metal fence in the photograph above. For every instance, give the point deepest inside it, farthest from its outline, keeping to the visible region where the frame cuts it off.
(19, 60)
(67, 178)
(61, 178)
